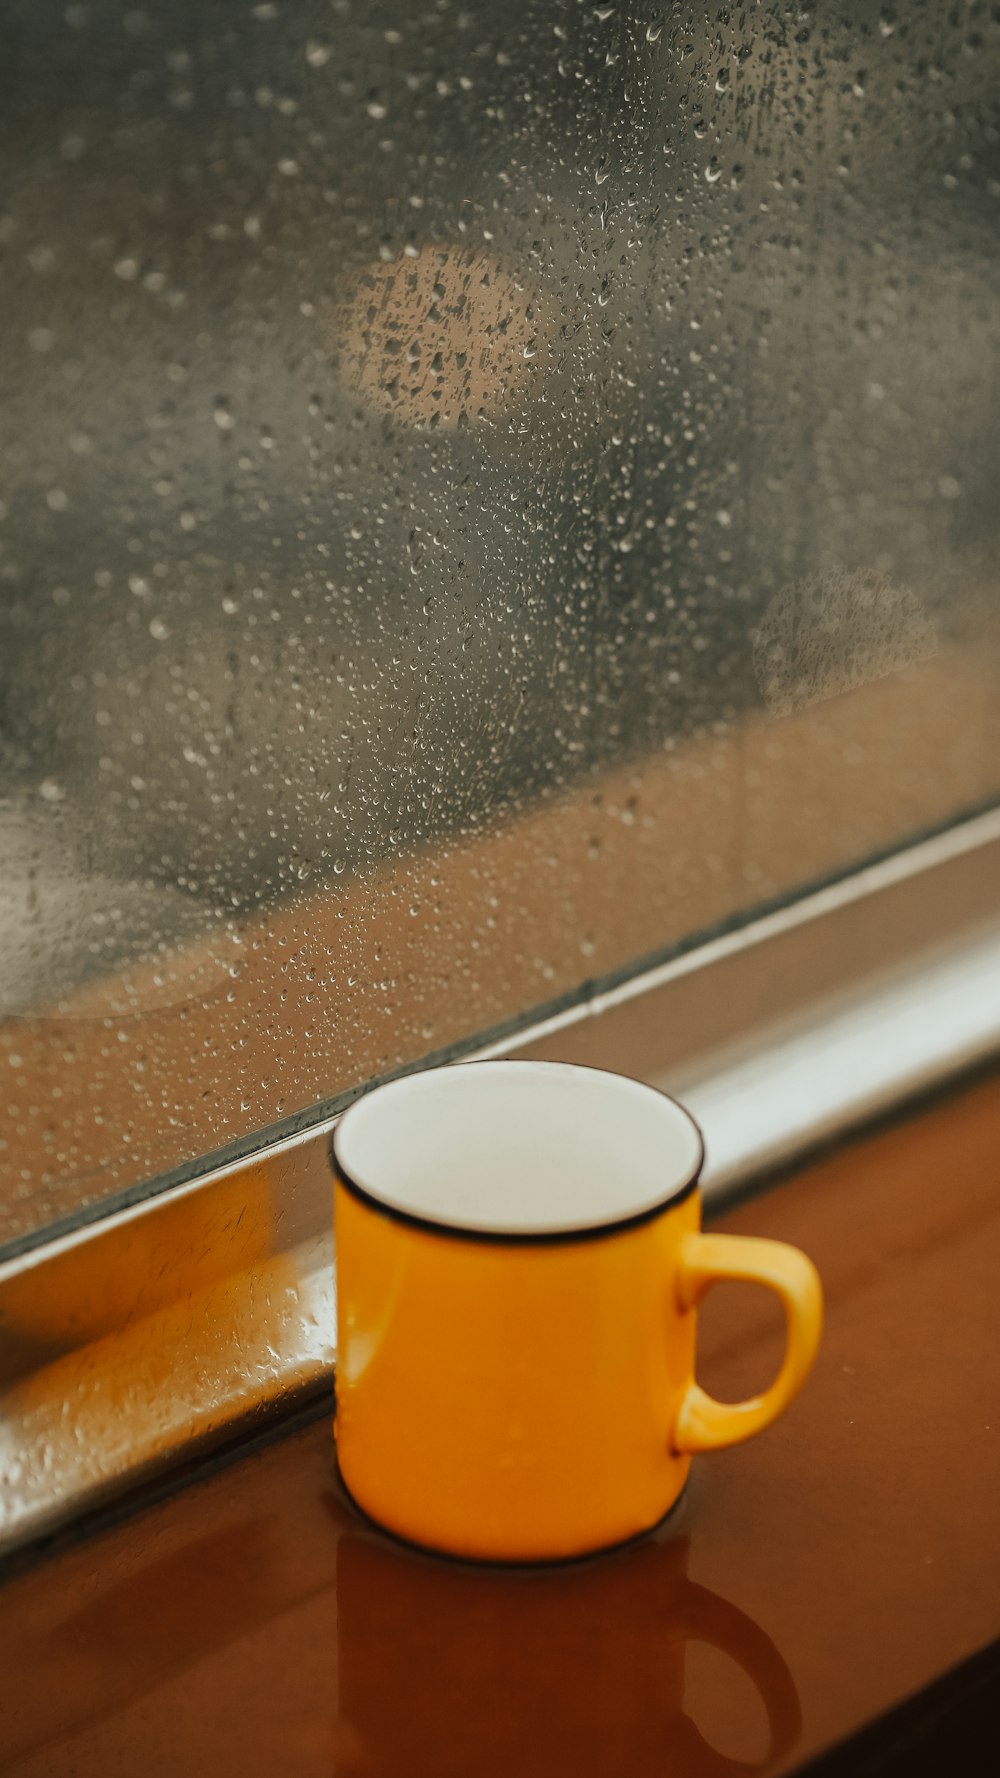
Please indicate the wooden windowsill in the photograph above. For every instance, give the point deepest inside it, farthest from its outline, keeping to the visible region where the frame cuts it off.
(251, 1623)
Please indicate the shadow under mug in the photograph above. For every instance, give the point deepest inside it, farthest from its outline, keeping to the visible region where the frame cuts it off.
(572, 1672)
(519, 1264)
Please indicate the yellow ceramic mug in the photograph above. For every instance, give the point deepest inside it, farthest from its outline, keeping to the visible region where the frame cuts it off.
(518, 1267)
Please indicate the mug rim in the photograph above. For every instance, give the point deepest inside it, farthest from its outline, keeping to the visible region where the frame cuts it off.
(572, 1235)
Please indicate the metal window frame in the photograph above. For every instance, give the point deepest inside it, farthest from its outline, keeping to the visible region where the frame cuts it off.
(176, 1323)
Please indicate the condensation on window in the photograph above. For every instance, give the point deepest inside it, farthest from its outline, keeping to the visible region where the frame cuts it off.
(487, 494)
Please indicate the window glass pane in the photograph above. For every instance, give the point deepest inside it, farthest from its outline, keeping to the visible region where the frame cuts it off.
(488, 494)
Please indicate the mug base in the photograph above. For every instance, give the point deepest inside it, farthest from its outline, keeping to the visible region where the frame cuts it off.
(482, 1561)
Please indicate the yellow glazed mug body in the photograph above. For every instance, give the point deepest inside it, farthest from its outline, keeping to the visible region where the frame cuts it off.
(519, 1264)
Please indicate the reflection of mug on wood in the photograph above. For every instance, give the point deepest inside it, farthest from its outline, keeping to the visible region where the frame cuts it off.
(519, 1261)
(575, 1671)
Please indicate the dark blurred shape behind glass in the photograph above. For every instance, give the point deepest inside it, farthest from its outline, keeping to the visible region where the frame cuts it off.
(567, 431)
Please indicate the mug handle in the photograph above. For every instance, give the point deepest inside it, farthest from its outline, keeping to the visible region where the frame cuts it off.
(704, 1424)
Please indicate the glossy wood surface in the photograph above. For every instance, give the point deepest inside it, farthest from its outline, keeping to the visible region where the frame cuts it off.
(808, 1582)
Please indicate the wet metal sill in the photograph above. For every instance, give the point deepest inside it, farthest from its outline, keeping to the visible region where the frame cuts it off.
(130, 1344)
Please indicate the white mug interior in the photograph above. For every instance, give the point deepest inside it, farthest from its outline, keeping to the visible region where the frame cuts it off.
(518, 1149)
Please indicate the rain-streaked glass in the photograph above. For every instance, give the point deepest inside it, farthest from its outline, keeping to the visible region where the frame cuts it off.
(487, 494)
